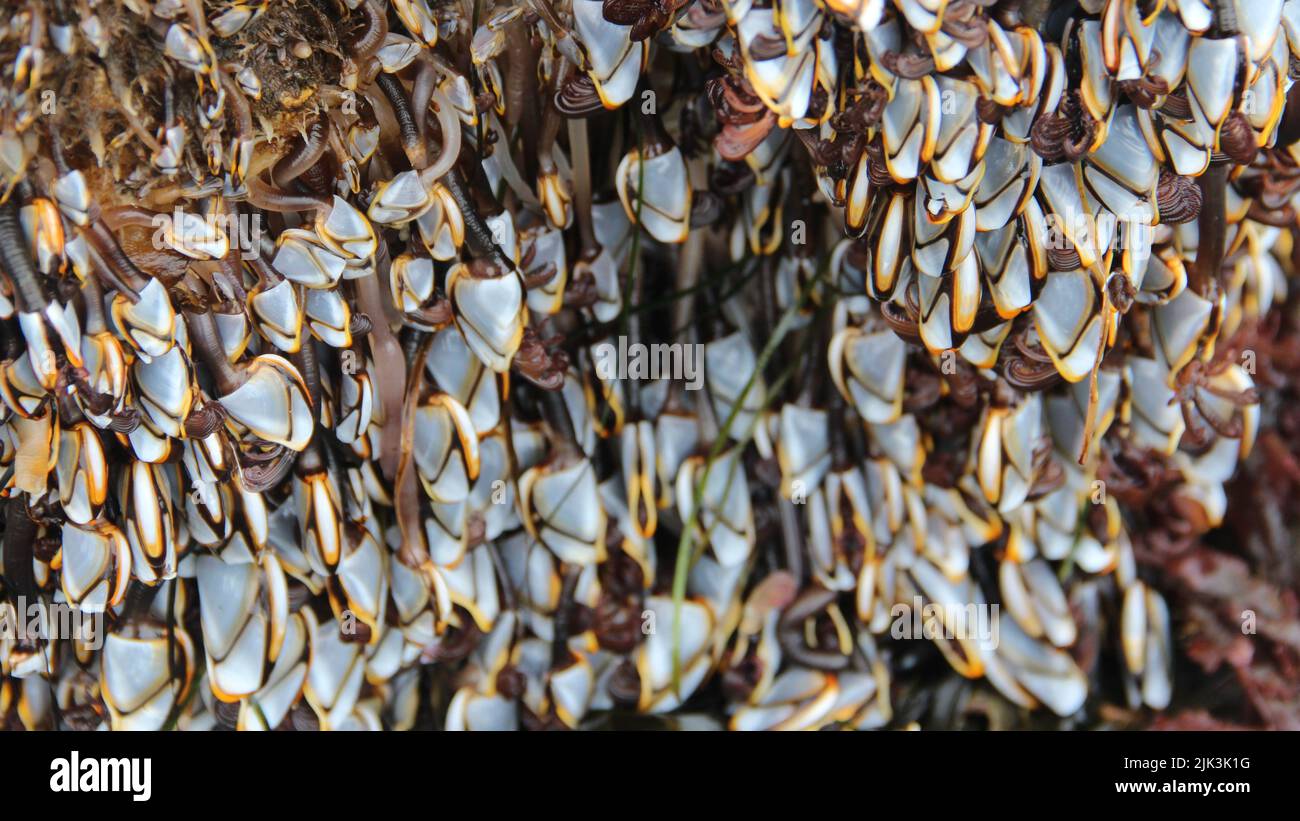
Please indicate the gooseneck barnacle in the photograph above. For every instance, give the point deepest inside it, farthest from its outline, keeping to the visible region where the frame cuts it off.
(532, 363)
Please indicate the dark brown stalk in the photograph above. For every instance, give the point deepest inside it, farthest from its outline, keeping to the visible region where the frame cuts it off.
(274, 199)
(790, 630)
(20, 533)
(17, 264)
(206, 339)
(373, 35)
(407, 120)
(302, 156)
(478, 236)
(1212, 225)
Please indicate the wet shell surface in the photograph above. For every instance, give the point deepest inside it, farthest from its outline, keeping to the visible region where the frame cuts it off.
(753, 365)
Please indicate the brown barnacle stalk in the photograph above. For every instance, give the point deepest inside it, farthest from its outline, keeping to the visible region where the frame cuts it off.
(646, 17)
(583, 284)
(228, 274)
(745, 121)
(78, 380)
(266, 276)
(616, 618)
(1146, 91)
(1025, 365)
(303, 156)
(541, 361)
(1063, 257)
(265, 395)
(838, 156)
(1176, 105)
(408, 123)
(910, 64)
(793, 634)
(264, 465)
(114, 266)
(406, 114)
(268, 197)
(1178, 197)
(360, 325)
(855, 131)
(1133, 474)
(1121, 292)
(989, 111)
(962, 384)
(17, 264)
(866, 107)
(696, 126)
(456, 644)
(476, 202)
(20, 533)
(368, 40)
(1288, 130)
(923, 390)
(406, 485)
(204, 421)
(877, 170)
(1050, 476)
(577, 96)
(581, 291)
(1195, 378)
(1237, 138)
(964, 23)
(384, 346)
(903, 321)
(559, 424)
(206, 342)
(1065, 135)
(1270, 182)
(553, 196)
(1212, 226)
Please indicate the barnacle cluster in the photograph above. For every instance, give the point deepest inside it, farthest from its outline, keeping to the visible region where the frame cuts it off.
(316, 320)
